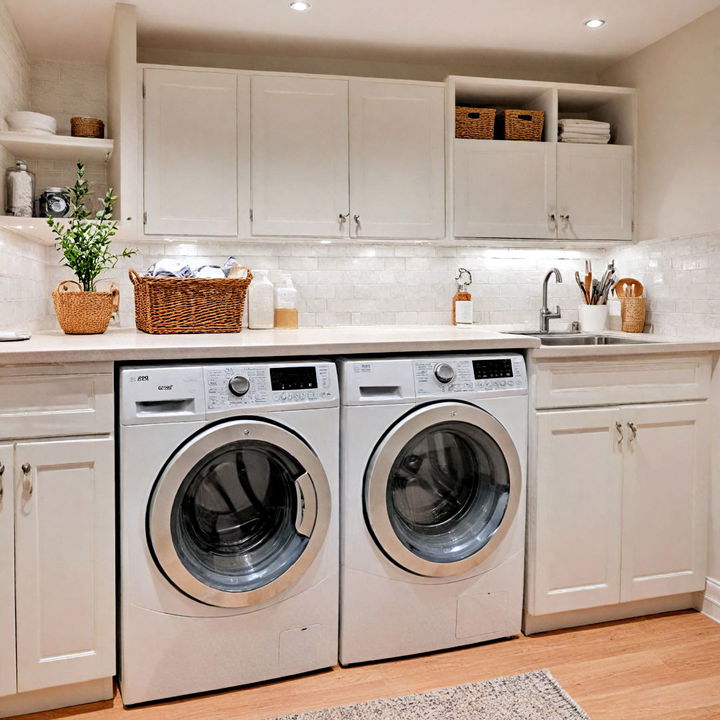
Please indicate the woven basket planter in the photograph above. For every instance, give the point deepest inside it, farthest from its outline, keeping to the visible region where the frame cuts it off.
(632, 313)
(87, 127)
(84, 313)
(189, 305)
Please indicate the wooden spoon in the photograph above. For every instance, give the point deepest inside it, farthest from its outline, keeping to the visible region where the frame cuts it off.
(629, 287)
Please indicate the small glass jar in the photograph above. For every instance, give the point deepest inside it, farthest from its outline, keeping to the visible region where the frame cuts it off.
(54, 202)
(19, 190)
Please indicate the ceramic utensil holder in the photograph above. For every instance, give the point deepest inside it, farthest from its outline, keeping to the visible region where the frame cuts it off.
(593, 318)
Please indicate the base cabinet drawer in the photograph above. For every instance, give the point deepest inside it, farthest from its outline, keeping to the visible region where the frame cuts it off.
(580, 382)
(52, 405)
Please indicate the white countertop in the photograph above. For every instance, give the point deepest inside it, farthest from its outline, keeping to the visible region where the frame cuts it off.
(132, 345)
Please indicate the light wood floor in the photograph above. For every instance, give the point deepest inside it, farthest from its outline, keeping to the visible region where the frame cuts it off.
(665, 667)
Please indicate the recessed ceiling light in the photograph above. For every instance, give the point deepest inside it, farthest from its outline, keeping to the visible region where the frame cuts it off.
(300, 5)
(594, 23)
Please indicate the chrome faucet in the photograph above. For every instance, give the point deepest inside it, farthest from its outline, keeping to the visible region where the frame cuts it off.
(546, 315)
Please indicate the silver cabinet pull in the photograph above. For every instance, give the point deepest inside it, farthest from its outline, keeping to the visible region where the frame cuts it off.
(343, 218)
(565, 219)
(356, 218)
(2, 472)
(619, 428)
(633, 429)
(27, 478)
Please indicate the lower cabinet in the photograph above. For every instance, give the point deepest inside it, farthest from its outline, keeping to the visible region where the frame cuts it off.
(618, 505)
(57, 539)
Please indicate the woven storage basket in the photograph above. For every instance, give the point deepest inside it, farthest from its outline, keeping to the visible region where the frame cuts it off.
(520, 124)
(632, 313)
(474, 123)
(87, 127)
(189, 305)
(84, 313)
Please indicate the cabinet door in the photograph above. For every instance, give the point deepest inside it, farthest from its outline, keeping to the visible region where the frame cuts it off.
(299, 156)
(397, 160)
(575, 532)
(665, 499)
(504, 189)
(595, 191)
(65, 562)
(191, 152)
(7, 574)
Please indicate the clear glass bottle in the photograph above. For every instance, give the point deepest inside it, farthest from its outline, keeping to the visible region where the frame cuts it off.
(261, 302)
(462, 304)
(286, 314)
(19, 190)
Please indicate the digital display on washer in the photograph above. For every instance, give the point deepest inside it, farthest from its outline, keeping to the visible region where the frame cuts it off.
(293, 378)
(489, 369)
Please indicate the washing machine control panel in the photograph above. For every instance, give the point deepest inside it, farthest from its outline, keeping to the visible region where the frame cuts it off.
(496, 374)
(295, 384)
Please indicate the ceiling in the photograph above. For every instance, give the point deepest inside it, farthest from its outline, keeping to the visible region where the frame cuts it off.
(411, 30)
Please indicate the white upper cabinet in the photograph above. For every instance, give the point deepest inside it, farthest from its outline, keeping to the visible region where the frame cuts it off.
(397, 160)
(665, 507)
(299, 156)
(7, 573)
(192, 123)
(504, 189)
(64, 551)
(594, 192)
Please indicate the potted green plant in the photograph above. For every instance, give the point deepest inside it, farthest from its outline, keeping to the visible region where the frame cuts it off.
(84, 239)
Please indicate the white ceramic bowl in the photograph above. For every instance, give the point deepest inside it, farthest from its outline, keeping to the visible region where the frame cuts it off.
(31, 122)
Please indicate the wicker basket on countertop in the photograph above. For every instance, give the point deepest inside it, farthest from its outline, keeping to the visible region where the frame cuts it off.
(84, 313)
(87, 127)
(632, 314)
(189, 305)
(474, 123)
(520, 124)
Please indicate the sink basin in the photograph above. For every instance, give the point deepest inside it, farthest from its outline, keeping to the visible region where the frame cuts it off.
(581, 339)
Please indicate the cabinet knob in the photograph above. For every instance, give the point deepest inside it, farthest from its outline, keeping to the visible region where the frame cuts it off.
(356, 218)
(2, 472)
(27, 478)
(633, 430)
(619, 428)
(343, 218)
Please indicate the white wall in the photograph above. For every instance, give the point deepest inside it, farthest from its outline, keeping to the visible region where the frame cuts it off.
(678, 83)
(23, 265)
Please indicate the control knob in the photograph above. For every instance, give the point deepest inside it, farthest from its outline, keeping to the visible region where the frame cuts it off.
(239, 385)
(444, 373)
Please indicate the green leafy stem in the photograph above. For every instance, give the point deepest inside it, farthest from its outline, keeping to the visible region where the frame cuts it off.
(84, 238)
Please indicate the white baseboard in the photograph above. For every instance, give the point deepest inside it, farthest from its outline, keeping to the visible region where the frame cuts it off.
(711, 599)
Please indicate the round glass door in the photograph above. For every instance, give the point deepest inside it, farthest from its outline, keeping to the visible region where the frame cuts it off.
(442, 489)
(239, 513)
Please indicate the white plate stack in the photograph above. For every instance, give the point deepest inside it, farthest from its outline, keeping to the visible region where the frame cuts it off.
(31, 123)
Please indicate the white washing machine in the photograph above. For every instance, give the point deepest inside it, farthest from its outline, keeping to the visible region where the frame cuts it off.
(229, 525)
(433, 458)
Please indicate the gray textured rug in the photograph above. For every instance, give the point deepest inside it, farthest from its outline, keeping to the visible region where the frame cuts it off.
(532, 696)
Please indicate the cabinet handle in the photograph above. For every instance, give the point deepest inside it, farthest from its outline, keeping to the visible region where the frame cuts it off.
(565, 220)
(553, 218)
(633, 429)
(356, 218)
(619, 428)
(2, 472)
(27, 479)
(343, 218)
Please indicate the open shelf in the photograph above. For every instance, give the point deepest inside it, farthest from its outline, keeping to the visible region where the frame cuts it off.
(37, 230)
(56, 147)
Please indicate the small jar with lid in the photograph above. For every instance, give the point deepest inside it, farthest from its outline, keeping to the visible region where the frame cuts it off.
(19, 190)
(54, 202)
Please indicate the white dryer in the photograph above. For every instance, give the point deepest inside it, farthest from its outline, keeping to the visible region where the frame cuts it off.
(229, 525)
(433, 458)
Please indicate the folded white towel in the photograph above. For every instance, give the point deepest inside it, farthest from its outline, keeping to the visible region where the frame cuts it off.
(584, 136)
(585, 130)
(588, 140)
(580, 122)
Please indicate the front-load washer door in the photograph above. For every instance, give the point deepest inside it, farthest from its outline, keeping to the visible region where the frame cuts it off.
(239, 513)
(442, 489)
